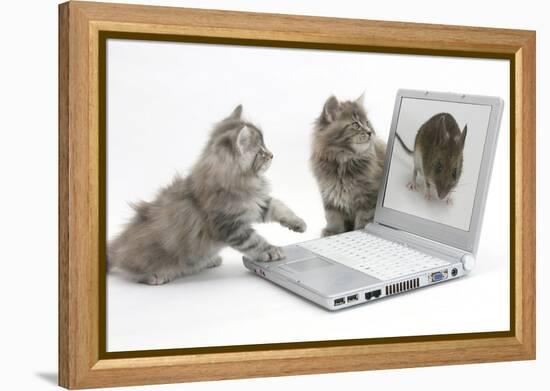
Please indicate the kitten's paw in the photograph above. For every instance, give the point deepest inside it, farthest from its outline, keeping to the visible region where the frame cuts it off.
(449, 200)
(411, 186)
(331, 231)
(214, 261)
(156, 279)
(428, 195)
(362, 218)
(271, 253)
(327, 232)
(296, 225)
(361, 224)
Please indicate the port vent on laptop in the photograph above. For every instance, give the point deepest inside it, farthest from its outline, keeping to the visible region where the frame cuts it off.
(402, 286)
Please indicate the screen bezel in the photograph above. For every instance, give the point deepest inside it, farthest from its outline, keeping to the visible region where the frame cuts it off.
(446, 234)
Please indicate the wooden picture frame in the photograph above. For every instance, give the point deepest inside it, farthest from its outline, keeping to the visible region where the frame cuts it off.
(83, 30)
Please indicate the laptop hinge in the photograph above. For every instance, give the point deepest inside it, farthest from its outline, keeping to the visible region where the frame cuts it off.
(418, 242)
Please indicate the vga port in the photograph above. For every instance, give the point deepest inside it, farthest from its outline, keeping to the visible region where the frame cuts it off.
(439, 276)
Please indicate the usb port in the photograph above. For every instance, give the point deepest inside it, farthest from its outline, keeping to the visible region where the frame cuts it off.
(353, 298)
(339, 301)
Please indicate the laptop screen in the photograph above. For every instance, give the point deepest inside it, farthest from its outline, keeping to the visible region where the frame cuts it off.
(439, 157)
(438, 180)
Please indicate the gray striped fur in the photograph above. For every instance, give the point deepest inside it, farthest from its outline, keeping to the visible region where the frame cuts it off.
(348, 161)
(184, 228)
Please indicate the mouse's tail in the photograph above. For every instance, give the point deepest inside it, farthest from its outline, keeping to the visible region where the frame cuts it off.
(409, 151)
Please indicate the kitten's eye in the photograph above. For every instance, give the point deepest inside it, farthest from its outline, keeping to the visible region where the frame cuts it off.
(438, 168)
(454, 173)
(356, 125)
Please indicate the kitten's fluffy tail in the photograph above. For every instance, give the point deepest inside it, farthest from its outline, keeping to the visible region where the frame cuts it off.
(409, 151)
(112, 258)
(109, 259)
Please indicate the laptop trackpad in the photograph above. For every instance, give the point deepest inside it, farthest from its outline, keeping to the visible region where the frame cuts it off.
(326, 277)
(307, 265)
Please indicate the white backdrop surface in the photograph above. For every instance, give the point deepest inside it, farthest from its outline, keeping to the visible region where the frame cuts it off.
(162, 100)
(29, 218)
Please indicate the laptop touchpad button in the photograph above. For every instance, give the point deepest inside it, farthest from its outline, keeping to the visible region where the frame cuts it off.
(307, 265)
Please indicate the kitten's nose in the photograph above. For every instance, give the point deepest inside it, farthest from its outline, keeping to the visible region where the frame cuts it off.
(268, 155)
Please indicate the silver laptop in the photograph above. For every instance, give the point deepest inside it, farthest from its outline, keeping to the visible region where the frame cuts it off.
(426, 227)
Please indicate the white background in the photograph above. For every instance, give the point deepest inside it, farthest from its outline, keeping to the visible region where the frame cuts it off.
(162, 100)
(29, 171)
(412, 115)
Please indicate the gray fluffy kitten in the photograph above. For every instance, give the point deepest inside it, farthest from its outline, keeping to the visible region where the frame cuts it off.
(184, 228)
(348, 161)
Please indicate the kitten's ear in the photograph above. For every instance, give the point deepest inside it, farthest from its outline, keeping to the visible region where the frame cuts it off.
(237, 112)
(463, 136)
(244, 138)
(361, 100)
(330, 110)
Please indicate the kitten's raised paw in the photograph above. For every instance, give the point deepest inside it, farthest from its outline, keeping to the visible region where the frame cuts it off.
(156, 279)
(296, 225)
(271, 253)
(411, 186)
(214, 261)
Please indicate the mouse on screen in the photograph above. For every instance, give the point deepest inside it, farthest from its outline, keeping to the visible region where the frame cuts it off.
(438, 156)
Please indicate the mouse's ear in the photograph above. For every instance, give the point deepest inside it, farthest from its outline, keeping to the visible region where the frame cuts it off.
(463, 136)
(330, 110)
(441, 134)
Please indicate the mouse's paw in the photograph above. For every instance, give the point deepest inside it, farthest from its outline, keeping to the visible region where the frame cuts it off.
(411, 186)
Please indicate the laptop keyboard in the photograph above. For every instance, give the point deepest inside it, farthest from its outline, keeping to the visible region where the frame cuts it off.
(381, 258)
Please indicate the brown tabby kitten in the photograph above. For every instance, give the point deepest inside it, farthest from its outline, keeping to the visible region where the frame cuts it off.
(184, 228)
(348, 161)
